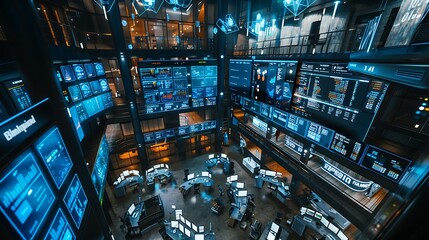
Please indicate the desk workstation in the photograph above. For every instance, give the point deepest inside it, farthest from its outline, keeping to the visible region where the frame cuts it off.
(128, 178)
(251, 164)
(221, 159)
(274, 231)
(240, 200)
(205, 179)
(143, 214)
(159, 171)
(183, 228)
(321, 206)
(318, 223)
(276, 184)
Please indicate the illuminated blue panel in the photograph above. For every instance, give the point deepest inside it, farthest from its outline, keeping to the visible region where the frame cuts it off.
(104, 85)
(99, 69)
(99, 172)
(79, 71)
(180, 3)
(95, 87)
(52, 150)
(296, 7)
(90, 70)
(76, 201)
(26, 197)
(85, 89)
(211, 71)
(67, 73)
(60, 228)
(141, 6)
(179, 72)
(76, 122)
(228, 25)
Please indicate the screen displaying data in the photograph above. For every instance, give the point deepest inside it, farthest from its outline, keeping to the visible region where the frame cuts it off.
(173, 85)
(79, 71)
(52, 150)
(76, 201)
(240, 76)
(346, 147)
(26, 197)
(60, 228)
(329, 94)
(385, 163)
(319, 134)
(18, 93)
(77, 123)
(67, 73)
(101, 164)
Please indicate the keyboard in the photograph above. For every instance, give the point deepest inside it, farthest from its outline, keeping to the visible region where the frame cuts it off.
(308, 219)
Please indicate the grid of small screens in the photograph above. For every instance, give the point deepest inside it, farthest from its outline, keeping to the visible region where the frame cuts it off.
(182, 130)
(174, 85)
(330, 94)
(101, 164)
(86, 89)
(31, 184)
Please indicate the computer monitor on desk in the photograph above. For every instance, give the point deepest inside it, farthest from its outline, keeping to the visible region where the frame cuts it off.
(234, 178)
(211, 156)
(174, 224)
(191, 176)
(274, 227)
(271, 236)
(242, 193)
(131, 209)
(223, 155)
(199, 236)
(240, 185)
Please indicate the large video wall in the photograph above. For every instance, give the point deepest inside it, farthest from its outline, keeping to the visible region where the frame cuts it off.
(175, 85)
(330, 107)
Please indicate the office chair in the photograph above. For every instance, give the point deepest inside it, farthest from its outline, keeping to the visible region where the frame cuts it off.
(186, 173)
(197, 188)
(278, 218)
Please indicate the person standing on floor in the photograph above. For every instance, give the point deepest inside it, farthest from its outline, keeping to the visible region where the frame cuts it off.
(242, 144)
(277, 134)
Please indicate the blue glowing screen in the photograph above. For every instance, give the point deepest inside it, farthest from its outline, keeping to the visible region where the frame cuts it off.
(76, 201)
(60, 228)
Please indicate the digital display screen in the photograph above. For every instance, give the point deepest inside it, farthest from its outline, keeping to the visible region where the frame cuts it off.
(17, 91)
(147, 73)
(107, 100)
(197, 102)
(297, 124)
(154, 108)
(211, 91)
(169, 133)
(165, 84)
(166, 96)
(79, 71)
(329, 94)
(210, 124)
(210, 101)
(280, 117)
(196, 127)
(180, 72)
(248, 103)
(26, 197)
(197, 71)
(298, 226)
(294, 144)
(95, 87)
(52, 150)
(149, 85)
(346, 147)
(101, 164)
(320, 134)
(385, 163)
(67, 73)
(211, 71)
(85, 89)
(104, 84)
(90, 70)
(76, 201)
(266, 110)
(256, 107)
(93, 105)
(149, 137)
(183, 130)
(204, 82)
(76, 123)
(159, 135)
(60, 228)
(164, 72)
(74, 92)
(99, 68)
(180, 83)
(151, 97)
(180, 94)
(198, 92)
(81, 112)
(240, 76)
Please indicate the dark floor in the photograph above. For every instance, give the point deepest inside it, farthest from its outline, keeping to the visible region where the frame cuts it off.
(196, 208)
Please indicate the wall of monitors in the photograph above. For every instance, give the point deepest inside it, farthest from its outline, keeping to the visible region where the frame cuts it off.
(182, 130)
(101, 164)
(174, 85)
(86, 89)
(385, 163)
(331, 95)
(27, 197)
(75, 200)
